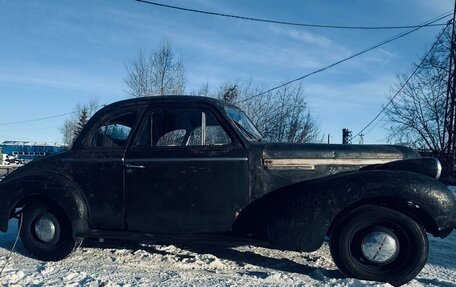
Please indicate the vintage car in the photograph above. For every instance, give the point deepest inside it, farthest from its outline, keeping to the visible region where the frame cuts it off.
(186, 167)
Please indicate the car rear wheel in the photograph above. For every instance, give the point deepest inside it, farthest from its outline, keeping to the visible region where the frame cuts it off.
(379, 244)
(46, 232)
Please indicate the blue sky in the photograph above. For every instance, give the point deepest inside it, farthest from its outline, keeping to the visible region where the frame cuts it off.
(55, 54)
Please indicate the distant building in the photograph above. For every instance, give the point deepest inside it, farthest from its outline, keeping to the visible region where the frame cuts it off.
(28, 151)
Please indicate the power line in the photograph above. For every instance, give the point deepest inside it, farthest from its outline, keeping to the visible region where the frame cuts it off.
(283, 22)
(44, 118)
(404, 84)
(374, 126)
(398, 36)
(415, 28)
(35, 120)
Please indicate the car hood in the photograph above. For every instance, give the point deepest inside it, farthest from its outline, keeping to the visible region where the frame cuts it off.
(287, 163)
(275, 154)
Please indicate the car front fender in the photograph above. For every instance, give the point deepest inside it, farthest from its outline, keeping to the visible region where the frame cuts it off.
(19, 189)
(298, 216)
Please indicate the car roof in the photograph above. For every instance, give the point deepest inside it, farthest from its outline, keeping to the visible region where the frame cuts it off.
(168, 99)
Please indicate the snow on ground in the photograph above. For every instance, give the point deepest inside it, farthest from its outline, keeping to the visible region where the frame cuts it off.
(129, 264)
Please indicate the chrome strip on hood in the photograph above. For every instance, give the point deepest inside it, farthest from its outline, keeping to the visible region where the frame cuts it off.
(310, 164)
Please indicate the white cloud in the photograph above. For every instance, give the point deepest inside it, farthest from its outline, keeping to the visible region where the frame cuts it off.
(380, 56)
(303, 36)
(355, 96)
(440, 6)
(276, 55)
(59, 78)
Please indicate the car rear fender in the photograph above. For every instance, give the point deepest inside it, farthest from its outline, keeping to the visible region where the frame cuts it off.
(298, 216)
(17, 191)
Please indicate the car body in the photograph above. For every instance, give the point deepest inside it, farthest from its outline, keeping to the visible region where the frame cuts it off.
(181, 166)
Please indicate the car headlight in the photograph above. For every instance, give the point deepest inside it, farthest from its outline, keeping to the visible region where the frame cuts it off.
(438, 167)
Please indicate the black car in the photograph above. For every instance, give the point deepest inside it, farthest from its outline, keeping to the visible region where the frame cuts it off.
(187, 167)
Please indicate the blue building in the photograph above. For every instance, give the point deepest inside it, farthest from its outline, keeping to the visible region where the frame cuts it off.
(28, 151)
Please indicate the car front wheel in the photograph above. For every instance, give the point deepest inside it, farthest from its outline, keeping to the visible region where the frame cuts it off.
(46, 232)
(379, 244)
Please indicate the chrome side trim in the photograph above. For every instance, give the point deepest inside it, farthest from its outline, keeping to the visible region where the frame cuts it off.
(287, 164)
(310, 164)
(134, 166)
(184, 159)
(128, 160)
(439, 168)
(92, 160)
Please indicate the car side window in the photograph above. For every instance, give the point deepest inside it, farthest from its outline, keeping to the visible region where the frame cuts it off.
(182, 127)
(172, 138)
(115, 132)
(215, 135)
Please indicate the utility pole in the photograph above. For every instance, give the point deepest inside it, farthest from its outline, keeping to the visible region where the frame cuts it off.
(450, 103)
(346, 136)
(361, 138)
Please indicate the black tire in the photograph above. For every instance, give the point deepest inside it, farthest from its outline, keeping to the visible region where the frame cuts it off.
(349, 242)
(58, 243)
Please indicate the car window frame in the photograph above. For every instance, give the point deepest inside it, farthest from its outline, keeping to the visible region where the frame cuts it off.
(87, 141)
(202, 108)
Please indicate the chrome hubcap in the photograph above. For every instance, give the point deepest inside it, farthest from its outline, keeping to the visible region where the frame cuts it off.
(379, 247)
(45, 229)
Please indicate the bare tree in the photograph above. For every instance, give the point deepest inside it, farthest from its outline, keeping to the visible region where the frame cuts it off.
(416, 116)
(73, 126)
(281, 116)
(139, 79)
(159, 74)
(230, 94)
(67, 130)
(202, 90)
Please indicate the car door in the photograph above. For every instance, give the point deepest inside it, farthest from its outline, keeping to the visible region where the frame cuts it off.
(97, 167)
(185, 173)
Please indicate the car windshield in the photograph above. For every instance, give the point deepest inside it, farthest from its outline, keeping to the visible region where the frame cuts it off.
(243, 123)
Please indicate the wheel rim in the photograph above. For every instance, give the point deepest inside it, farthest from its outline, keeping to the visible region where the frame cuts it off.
(45, 228)
(379, 247)
(389, 258)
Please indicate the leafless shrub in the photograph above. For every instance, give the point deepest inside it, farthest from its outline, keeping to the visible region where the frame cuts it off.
(161, 73)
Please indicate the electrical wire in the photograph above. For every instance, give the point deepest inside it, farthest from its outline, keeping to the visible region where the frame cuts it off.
(415, 28)
(398, 36)
(403, 84)
(283, 22)
(35, 120)
(375, 125)
(42, 119)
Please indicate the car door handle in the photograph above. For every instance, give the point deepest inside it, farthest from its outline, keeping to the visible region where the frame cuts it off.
(134, 166)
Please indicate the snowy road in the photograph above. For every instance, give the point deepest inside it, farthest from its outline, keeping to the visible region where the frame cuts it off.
(127, 264)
